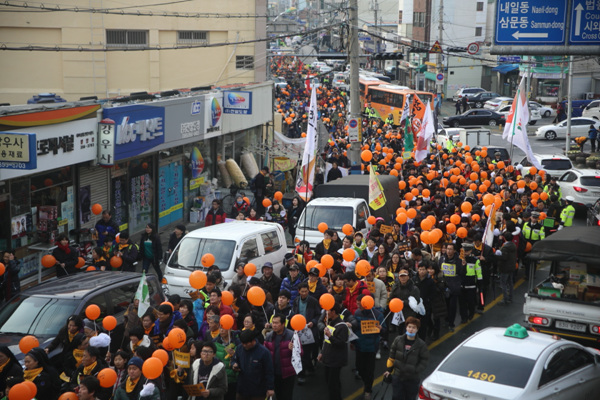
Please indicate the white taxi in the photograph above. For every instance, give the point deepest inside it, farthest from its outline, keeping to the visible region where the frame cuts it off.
(512, 363)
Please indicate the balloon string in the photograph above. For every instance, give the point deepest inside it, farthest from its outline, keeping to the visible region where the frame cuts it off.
(266, 318)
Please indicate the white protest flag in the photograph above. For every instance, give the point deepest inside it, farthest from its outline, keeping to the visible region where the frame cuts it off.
(296, 353)
(406, 109)
(143, 295)
(306, 174)
(517, 120)
(425, 135)
(488, 233)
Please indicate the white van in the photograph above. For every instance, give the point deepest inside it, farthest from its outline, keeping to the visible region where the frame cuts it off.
(592, 110)
(335, 212)
(250, 241)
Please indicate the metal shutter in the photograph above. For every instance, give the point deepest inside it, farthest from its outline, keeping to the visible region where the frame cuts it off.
(98, 179)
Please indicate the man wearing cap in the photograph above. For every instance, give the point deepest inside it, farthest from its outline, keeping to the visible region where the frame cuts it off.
(472, 280)
(136, 386)
(567, 214)
(255, 367)
(288, 261)
(209, 371)
(334, 354)
(532, 232)
(315, 286)
(128, 252)
(282, 307)
(270, 282)
(308, 307)
(291, 282)
(553, 188)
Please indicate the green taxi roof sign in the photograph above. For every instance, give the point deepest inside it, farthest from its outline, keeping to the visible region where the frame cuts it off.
(516, 331)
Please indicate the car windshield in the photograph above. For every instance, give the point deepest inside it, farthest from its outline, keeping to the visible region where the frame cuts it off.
(506, 369)
(334, 217)
(557, 164)
(36, 315)
(590, 180)
(189, 252)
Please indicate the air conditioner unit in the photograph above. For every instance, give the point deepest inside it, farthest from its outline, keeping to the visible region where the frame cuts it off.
(589, 95)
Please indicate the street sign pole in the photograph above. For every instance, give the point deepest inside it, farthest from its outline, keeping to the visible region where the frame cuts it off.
(570, 106)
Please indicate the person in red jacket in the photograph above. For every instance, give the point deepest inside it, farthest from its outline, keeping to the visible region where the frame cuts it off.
(280, 343)
(215, 215)
(354, 288)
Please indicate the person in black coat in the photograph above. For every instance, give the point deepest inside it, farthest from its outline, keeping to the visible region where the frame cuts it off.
(128, 251)
(64, 339)
(427, 290)
(151, 250)
(326, 246)
(260, 187)
(334, 173)
(9, 367)
(42, 374)
(91, 364)
(312, 311)
(293, 215)
(9, 281)
(176, 237)
(66, 257)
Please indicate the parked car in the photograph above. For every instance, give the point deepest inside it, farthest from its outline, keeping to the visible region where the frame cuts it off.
(534, 114)
(492, 150)
(469, 91)
(340, 81)
(475, 117)
(578, 106)
(43, 310)
(280, 82)
(593, 214)
(545, 111)
(592, 110)
(478, 100)
(497, 102)
(582, 184)
(579, 127)
(448, 134)
(498, 363)
(554, 164)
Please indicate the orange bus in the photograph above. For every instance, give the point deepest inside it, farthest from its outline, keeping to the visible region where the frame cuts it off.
(386, 99)
(365, 83)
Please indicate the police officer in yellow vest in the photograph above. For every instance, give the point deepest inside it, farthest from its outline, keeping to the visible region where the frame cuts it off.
(471, 281)
(553, 188)
(533, 231)
(368, 110)
(567, 214)
(390, 119)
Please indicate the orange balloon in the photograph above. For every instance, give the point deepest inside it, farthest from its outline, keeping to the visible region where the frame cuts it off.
(500, 165)
(116, 262)
(266, 203)
(167, 345)
(27, 343)
(415, 192)
(256, 296)
(371, 220)
(487, 183)
(109, 323)
(533, 170)
(347, 255)
(466, 207)
(483, 188)
(90, 268)
(226, 321)
(544, 196)
(367, 302)
(322, 227)
(347, 229)
(473, 186)
(249, 269)
(450, 228)
(475, 217)
(107, 377)
(226, 297)
(32, 387)
(197, 280)
(163, 356)
(327, 261)
(483, 175)
(528, 247)
(80, 263)
(311, 264)
(401, 185)
(498, 180)
(426, 193)
(68, 396)
(396, 305)
(449, 192)
(177, 337)
(425, 237)
(366, 155)
(207, 260)
(426, 224)
(20, 391)
(461, 232)
(455, 219)
(48, 261)
(535, 195)
(97, 209)
(152, 367)
(278, 196)
(488, 199)
(363, 268)
(543, 216)
(533, 185)
(411, 213)
(521, 184)
(326, 301)
(92, 312)
(402, 218)
(298, 322)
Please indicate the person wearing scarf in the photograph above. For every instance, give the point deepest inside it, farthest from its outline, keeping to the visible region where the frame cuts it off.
(73, 360)
(66, 257)
(64, 339)
(98, 260)
(326, 246)
(38, 371)
(136, 386)
(91, 364)
(9, 366)
(163, 324)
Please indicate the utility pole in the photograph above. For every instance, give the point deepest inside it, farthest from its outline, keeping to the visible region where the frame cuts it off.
(440, 65)
(354, 152)
(570, 105)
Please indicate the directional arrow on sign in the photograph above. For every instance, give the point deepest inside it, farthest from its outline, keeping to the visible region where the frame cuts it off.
(579, 9)
(518, 35)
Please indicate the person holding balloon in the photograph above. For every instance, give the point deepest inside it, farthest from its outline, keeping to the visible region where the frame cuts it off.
(327, 245)
(334, 353)
(280, 343)
(309, 308)
(91, 364)
(64, 339)
(44, 376)
(136, 386)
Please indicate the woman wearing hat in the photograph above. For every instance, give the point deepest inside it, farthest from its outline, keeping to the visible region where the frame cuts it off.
(9, 366)
(38, 371)
(136, 386)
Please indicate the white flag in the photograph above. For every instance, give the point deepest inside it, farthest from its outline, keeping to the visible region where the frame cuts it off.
(306, 174)
(488, 233)
(143, 295)
(406, 109)
(515, 131)
(296, 353)
(425, 135)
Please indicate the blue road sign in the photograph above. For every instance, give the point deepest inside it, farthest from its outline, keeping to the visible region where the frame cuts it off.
(509, 59)
(585, 23)
(531, 22)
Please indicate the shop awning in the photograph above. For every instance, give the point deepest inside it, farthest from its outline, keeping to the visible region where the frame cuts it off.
(430, 75)
(421, 68)
(505, 68)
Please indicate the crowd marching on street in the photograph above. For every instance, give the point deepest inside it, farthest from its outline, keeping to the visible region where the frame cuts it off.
(465, 221)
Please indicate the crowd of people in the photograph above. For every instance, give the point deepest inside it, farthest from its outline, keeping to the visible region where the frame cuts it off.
(466, 220)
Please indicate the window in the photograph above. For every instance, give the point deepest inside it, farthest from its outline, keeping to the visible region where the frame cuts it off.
(192, 37)
(270, 241)
(121, 297)
(480, 6)
(419, 19)
(557, 164)
(590, 181)
(334, 217)
(244, 62)
(189, 252)
(100, 301)
(478, 31)
(249, 250)
(126, 38)
(568, 177)
(563, 362)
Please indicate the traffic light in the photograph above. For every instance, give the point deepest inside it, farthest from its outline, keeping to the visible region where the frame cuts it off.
(388, 56)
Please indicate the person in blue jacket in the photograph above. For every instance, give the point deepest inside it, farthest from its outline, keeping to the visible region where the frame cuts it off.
(291, 282)
(253, 362)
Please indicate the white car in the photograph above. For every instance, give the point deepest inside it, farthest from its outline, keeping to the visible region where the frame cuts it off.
(554, 164)
(534, 114)
(592, 110)
(280, 82)
(498, 363)
(545, 111)
(469, 91)
(497, 102)
(325, 69)
(445, 134)
(579, 127)
(582, 184)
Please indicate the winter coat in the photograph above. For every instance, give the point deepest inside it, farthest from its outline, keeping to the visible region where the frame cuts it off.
(217, 380)
(381, 295)
(368, 343)
(335, 348)
(320, 290)
(256, 371)
(287, 284)
(121, 392)
(320, 249)
(156, 247)
(408, 365)
(350, 299)
(11, 285)
(285, 354)
(426, 290)
(403, 292)
(271, 285)
(215, 217)
(13, 368)
(48, 384)
(130, 256)
(454, 271)
(70, 260)
(313, 311)
(438, 298)
(376, 263)
(102, 226)
(507, 261)
(223, 356)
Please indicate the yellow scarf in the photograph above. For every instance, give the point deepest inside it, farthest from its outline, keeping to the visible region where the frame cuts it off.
(214, 334)
(71, 335)
(4, 365)
(351, 288)
(87, 370)
(147, 331)
(326, 243)
(136, 345)
(130, 385)
(312, 286)
(31, 374)
(123, 246)
(78, 355)
(338, 289)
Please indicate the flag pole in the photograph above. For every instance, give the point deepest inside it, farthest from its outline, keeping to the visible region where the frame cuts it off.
(512, 146)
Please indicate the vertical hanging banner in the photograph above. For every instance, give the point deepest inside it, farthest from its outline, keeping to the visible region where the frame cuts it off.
(376, 196)
(306, 175)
